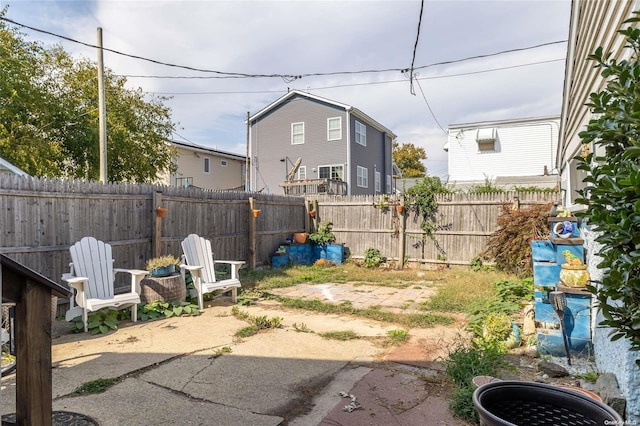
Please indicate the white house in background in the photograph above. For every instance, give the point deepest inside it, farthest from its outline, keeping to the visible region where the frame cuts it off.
(207, 168)
(594, 24)
(520, 152)
(7, 167)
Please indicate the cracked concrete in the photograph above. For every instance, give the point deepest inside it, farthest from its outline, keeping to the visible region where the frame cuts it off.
(175, 371)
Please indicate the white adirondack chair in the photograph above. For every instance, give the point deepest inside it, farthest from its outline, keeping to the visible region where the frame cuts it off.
(92, 277)
(198, 260)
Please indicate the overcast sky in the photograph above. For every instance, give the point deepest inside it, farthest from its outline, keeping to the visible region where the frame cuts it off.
(313, 37)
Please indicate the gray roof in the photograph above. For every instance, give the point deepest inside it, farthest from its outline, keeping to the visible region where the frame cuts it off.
(208, 150)
(7, 167)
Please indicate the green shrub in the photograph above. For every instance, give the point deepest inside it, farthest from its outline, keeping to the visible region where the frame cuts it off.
(158, 309)
(610, 159)
(99, 322)
(373, 258)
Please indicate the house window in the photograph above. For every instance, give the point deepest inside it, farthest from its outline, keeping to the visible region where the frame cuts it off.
(388, 184)
(486, 139)
(223, 163)
(334, 128)
(361, 133)
(331, 172)
(378, 182)
(297, 133)
(363, 177)
(207, 164)
(302, 172)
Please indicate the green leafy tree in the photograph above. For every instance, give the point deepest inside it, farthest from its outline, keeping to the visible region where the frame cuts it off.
(49, 117)
(408, 158)
(612, 193)
(27, 109)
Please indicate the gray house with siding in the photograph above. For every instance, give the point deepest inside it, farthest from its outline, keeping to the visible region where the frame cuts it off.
(304, 144)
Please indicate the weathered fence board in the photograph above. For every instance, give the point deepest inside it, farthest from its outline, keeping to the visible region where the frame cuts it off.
(464, 221)
(41, 218)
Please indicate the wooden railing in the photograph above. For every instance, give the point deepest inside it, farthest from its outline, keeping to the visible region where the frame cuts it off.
(315, 186)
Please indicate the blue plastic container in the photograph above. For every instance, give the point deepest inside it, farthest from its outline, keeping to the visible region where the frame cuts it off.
(331, 252)
(279, 260)
(300, 254)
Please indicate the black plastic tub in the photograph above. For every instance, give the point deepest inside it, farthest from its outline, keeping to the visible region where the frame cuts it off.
(529, 404)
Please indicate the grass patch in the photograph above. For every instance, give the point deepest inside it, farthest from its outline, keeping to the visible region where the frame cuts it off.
(340, 335)
(397, 336)
(247, 331)
(257, 322)
(461, 290)
(373, 312)
(96, 386)
(348, 272)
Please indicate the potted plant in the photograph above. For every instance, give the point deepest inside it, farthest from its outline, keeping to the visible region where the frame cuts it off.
(324, 243)
(162, 266)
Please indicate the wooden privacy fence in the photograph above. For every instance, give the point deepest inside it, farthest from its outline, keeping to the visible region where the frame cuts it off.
(41, 218)
(464, 223)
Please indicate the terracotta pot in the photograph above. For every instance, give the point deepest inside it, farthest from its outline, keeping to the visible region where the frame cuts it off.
(161, 211)
(300, 237)
(312, 213)
(400, 208)
(255, 212)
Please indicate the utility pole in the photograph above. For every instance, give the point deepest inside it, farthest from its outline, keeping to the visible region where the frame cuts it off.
(247, 185)
(102, 113)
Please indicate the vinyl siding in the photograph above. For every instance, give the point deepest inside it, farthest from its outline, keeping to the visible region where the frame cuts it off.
(219, 177)
(376, 156)
(271, 142)
(521, 148)
(593, 24)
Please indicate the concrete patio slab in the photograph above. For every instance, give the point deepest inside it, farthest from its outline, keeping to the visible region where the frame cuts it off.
(174, 371)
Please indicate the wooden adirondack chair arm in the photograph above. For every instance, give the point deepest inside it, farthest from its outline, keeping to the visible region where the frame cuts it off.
(136, 276)
(131, 271)
(191, 268)
(235, 266)
(77, 283)
(74, 281)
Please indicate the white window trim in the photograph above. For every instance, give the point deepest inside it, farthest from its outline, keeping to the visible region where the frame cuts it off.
(361, 130)
(388, 184)
(293, 125)
(206, 165)
(363, 177)
(378, 181)
(339, 129)
(331, 168)
(302, 172)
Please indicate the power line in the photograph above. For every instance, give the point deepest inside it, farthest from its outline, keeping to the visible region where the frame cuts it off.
(179, 135)
(286, 77)
(429, 106)
(337, 86)
(207, 77)
(415, 48)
